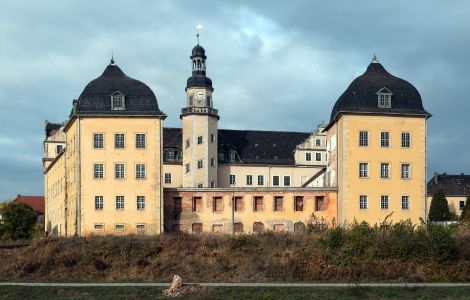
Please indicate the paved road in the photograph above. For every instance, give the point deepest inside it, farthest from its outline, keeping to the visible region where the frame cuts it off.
(215, 284)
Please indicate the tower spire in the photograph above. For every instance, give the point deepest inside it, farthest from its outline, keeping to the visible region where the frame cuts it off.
(198, 27)
(374, 59)
(112, 57)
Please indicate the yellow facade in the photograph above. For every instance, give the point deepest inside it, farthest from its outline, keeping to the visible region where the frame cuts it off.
(347, 156)
(455, 204)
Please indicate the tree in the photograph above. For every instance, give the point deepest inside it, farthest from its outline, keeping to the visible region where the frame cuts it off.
(18, 221)
(439, 210)
(465, 216)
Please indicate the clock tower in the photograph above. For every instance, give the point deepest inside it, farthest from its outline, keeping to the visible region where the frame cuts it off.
(199, 126)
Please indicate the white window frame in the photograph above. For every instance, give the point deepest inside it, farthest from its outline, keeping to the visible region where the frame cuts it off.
(200, 164)
(140, 171)
(382, 139)
(140, 202)
(317, 142)
(385, 100)
(120, 202)
(364, 173)
(308, 156)
(167, 177)
(138, 143)
(407, 202)
(404, 143)
(363, 138)
(284, 180)
(363, 202)
(98, 143)
(278, 179)
(232, 179)
(95, 171)
(318, 156)
(116, 141)
(59, 148)
(384, 202)
(249, 179)
(385, 170)
(115, 99)
(99, 202)
(119, 174)
(407, 172)
(260, 179)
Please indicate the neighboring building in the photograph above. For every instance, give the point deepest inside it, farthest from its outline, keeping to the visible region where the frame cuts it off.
(35, 202)
(122, 172)
(456, 188)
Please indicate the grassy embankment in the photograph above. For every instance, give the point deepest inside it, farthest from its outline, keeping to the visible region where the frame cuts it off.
(360, 253)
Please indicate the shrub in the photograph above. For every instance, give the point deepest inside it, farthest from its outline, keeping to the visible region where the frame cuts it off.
(439, 210)
(465, 216)
(18, 221)
(336, 238)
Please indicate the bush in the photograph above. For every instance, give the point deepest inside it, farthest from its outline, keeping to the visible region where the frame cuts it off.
(439, 210)
(465, 216)
(18, 221)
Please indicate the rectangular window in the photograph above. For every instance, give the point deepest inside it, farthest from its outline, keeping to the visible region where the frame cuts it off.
(98, 140)
(405, 171)
(140, 140)
(239, 205)
(212, 162)
(308, 156)
(213, 184)
(197, 204)
(238, 227)
(231, 179)
(98, 171)
(212, 138)
(59, 148)
(384, 202)
(167, 177)
(218, 204)
(118, 102)
(119, 202)
(384, 170)
(405, 202)
(362, 202)
(363, 170)
(318, 142)
(363, 138)
(278, 203)
(199, 164)
(260, 180)
(320, 204)
(120, 227)
(140, 202)
(119, 171)
(170, 155)
(140, 171)
(461, 204)
(318, 156)
(406, 140)
(177, 204)
(275, 180)
(187, 143)
(119, 140)
(286, 180)
(258, 204)
(188, 168)
(249, 179)
(299, 203)
(384, 101)
(199, 140)
(99, 202)
(385, 139)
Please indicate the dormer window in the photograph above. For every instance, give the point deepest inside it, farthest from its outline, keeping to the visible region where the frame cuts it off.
(384, 98)
(117, 101)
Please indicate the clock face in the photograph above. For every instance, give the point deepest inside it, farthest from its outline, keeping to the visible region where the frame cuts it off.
(200, 94)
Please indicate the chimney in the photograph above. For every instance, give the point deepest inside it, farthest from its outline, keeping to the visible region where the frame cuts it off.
(436, 178)
(462, 174)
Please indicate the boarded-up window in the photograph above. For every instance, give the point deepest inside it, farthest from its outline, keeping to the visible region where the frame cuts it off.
(218, 204)
(320, 203)
(299, 203)
(176, 228)
(258, 227)
(238, 227)
(278, 227)
(278, 203)
(177, 204)
(258, 204)
(197, 204)
(218, 228)
(299, 227)
(197, 227)
(239, 205)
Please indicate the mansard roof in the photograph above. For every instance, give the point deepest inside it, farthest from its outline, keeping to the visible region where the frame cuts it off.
(96, 97)
(453, 185)
(251, 146)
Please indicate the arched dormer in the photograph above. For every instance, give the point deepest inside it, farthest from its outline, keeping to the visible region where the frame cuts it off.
(118, 101)
(384, 97)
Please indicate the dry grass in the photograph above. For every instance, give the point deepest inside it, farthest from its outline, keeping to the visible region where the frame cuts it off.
(356, 254)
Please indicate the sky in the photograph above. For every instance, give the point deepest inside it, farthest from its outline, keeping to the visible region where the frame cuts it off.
(275, 65)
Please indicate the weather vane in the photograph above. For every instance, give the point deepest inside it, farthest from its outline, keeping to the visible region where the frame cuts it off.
(197, 27)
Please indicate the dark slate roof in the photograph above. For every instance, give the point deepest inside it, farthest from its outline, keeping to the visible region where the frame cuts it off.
(252, 146)
(361, 95)
(96, 97)
(198, 50)
(51, 128)
(453, 185)
(198, 80)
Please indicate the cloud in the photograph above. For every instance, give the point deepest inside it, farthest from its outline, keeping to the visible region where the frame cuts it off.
(286, 61)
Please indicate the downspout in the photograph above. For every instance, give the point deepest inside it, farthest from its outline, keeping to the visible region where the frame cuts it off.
(79, 188)
(161, 174)
(425, 170)
(337, 174)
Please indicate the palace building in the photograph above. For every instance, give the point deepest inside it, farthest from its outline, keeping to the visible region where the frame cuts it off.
(113, 168)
